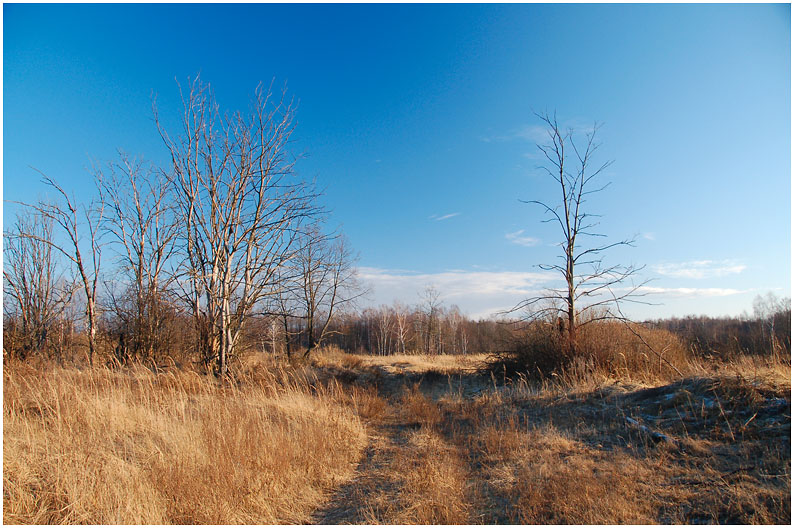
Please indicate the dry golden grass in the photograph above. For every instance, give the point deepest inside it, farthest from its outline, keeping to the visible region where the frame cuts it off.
(563, 452)
(104, 447)
(550, 478)
(431, 479)
(422, 363)
(401, 440)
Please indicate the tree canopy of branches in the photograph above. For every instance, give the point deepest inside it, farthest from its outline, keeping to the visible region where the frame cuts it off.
(322, 280)
(35, 288)
(143, 228)
(82, 225)
(240, 208)
(591, 287)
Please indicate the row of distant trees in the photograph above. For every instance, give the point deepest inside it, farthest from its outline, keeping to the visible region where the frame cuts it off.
(179, 259)
(767, 329)
(428, 327)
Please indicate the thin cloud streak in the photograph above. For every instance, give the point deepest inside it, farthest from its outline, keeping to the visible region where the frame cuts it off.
(517, 238)
(699, 269)
(446, 216)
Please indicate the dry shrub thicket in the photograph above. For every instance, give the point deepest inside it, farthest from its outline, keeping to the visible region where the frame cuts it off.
(610, 348)
(120, 447)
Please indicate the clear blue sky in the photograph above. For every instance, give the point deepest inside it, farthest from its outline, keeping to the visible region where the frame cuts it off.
(418, 121)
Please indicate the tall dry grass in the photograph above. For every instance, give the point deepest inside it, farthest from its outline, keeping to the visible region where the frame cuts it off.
(120, 447)
(447, 444)
(431, 476)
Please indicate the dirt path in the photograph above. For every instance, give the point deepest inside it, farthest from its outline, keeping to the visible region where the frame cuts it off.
(375, 489)
(348, 504)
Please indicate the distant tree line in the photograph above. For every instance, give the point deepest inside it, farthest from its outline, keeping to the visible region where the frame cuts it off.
(428, 327)
(766, 330)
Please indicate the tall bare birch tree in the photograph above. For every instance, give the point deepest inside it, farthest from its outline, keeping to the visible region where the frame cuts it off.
(401, 319)
(82, 225)
(141, 220)
(590, 285)
(325, 281)
(36, 291)
(240, 206)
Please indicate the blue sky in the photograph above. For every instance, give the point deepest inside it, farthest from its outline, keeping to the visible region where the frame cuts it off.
(418, 121)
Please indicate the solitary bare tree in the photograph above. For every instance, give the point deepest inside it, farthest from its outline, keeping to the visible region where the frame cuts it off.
(590, 286)
(401, 315)
(240, 207)
(430, 306)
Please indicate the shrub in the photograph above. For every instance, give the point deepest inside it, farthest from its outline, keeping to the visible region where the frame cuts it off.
(605, 347)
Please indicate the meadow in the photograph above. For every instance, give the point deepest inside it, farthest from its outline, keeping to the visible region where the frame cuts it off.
(345, 438)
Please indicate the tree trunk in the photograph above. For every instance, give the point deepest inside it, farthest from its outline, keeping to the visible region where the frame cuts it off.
(90, 309)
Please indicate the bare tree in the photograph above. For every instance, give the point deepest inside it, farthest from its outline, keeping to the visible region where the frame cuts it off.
(401, 327)
(285, 307)
(36, 292)
(326, 281)
(590, 286)
(457, 324)
(143, 226)
(240, 207)
(82, 225)
(272, 334)
(385, 320)
(430, 306)
(768, 310)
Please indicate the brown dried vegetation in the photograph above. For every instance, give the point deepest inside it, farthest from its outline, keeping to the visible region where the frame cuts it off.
(104, 447)
(400, 440)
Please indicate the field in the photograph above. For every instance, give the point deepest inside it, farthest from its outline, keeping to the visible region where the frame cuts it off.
(347, 439)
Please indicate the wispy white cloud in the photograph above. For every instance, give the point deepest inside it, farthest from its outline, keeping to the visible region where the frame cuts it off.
(458, 283)
(689, 292)
(443, 217)
(531, 133)
(649, 236)
(517, 237)
(699, 269)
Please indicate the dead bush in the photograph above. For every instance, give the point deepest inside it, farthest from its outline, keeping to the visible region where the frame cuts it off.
(609, 348)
